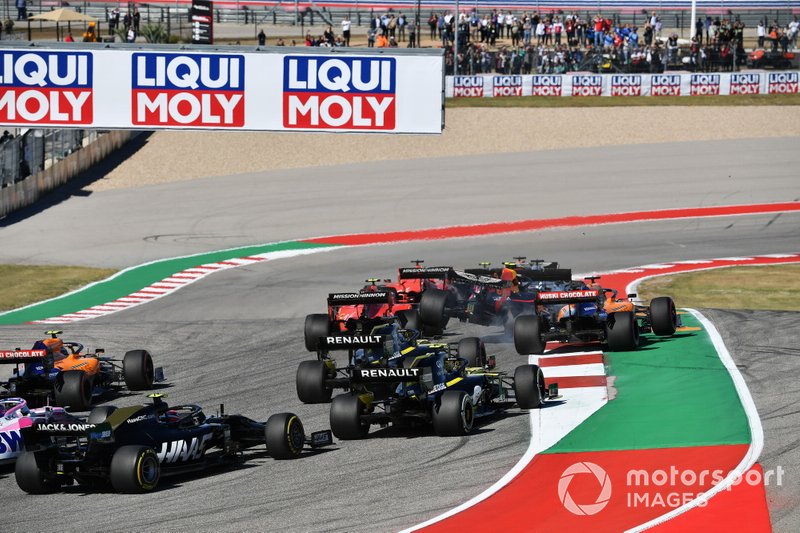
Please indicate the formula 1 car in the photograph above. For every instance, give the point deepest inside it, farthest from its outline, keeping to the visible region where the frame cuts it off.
(62, 373)
(488, 297)
(436, 387)
(385, 346)
(15, 415)
(575, 311)
(132, 447)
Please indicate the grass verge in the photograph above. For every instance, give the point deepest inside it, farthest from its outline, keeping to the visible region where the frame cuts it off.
(26, 284)
(766, 287)
(628, 101)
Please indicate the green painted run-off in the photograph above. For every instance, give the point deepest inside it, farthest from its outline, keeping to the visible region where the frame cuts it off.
(136, 278)
(672, 392)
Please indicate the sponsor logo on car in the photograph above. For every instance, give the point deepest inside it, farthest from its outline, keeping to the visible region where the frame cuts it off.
(189, 90)
(339, 93)
(64, 427)
(10, 441)
(46, 87)
(353, 340)
(567, 295)
(387, 374)
(183, 450)
(507, 86)
(22, 354)
(468, 86)
(139, 418)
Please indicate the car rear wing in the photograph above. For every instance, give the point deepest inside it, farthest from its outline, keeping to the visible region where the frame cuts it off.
(350, 342)
(463, 276)
(568, 297)
(21, 356)
(359, 298)
(443, 272)
(548, 274)
(41, 433)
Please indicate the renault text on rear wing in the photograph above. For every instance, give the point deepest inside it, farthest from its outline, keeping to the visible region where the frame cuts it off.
(359, 298)
(348, 342)
(21, 356)
(426, 273)
(567, 297)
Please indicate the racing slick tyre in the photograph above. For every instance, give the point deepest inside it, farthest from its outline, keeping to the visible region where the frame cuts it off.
(310, 382)
(137, 367)
(285, 436)
(454, 415)
(527, 335)
(663, 317)
(622, 332)
(432, 308)
(410, 319)
(99, 414)
(31, 478)
(317, 325)
(529, 386)
(134, 469)
(74, 390)
(473, 350)
(346, 423)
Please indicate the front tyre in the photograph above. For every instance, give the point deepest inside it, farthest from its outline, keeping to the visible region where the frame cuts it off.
(137, 367)
(285, 436)
(529, 386)
(663, 316)
(346, 413)
(455, 415)
(135, 469)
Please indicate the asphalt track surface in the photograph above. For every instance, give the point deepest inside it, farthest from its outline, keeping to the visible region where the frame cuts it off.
(236, 336)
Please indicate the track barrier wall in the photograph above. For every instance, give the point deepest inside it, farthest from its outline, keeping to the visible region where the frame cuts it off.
(588, 84)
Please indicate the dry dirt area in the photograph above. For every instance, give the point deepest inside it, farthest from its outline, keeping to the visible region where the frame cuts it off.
(185, 155)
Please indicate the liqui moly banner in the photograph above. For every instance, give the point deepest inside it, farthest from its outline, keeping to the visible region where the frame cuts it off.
(623, 85)
(130, 88)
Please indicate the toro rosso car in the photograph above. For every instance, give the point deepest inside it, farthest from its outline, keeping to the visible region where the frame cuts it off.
(15, 415)
(386, 346)
(489, 297)
(435, 387)
(133, 447)
(59, 372)
(575, 311)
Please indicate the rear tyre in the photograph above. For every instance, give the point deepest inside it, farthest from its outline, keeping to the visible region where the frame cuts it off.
(346, 423)
(622, 332)
(285, 436)
(99, 414)
(529, 386)
(527, 335)
(455, 415)
(31, 478)
(473, 350)
(432, 308)
(137, 367)
(134, 469)
(73, 390)
(663, 316)
(310, 382)
(317, 326)
(410, 319)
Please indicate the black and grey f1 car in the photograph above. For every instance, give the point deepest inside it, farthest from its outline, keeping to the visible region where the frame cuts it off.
(132, 447)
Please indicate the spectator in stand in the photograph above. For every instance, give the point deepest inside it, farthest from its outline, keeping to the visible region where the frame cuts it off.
(401, 27)
(262, 38)
(761, 32)
(22, 10)
(137, 19)
(698, 29)
(526, 31)
(413, 25)
(392, 42)
(433, 23)
(328, 36)
(391, 26)
(281, 43)
(598, 23)
(648, 34)
(540, 32)
(381, 41)
(791, 33)
(346, 30)
(6, 137)
(371, 37)
(707, 25)
(309, 39)
(69, 38)
(558, 28)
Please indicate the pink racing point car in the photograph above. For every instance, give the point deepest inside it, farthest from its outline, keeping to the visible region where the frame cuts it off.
(15, 415)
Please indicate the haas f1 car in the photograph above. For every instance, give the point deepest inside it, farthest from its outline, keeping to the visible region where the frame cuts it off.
(386, 346)
(133, 447)
(575, 311)
(59, 372)
(433, 385)
(488, 297)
